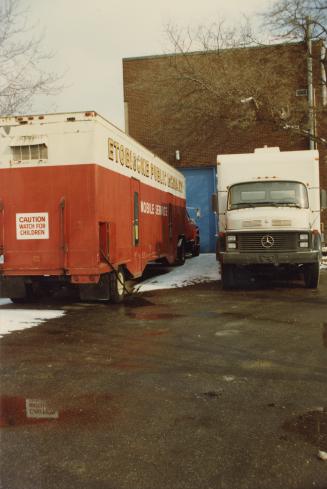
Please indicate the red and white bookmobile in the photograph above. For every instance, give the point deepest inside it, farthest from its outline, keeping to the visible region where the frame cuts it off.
(83, 204)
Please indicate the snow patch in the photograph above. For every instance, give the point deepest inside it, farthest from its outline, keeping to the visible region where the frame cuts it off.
(200, 269)
(19, 319)
(203, 268)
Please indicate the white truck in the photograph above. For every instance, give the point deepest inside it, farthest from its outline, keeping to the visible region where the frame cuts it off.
(269, 205)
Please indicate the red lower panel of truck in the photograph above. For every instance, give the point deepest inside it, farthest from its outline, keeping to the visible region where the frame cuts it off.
(73, 219)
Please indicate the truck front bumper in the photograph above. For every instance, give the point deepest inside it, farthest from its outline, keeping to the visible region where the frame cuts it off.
(281, 258)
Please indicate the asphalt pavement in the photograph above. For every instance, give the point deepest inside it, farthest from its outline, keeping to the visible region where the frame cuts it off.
(191, 388)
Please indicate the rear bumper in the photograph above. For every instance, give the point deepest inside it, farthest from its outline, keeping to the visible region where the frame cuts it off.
(282, 258)
(13, 283)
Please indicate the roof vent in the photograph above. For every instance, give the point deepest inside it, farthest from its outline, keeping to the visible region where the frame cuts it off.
(266, 149)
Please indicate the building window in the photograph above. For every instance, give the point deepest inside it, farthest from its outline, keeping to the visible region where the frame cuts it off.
(30, 152)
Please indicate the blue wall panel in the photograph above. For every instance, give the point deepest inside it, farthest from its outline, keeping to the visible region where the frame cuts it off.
(200, 185)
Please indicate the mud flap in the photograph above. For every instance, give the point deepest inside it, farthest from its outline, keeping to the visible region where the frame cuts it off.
(93, 292)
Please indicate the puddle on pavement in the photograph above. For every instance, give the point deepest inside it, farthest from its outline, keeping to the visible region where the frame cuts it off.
(20, 411)
(207, 314)
(152, 316)
(137, 301)
(16, 411)
(222, 315)
(227, 332)
(158, 332)
(312, 426)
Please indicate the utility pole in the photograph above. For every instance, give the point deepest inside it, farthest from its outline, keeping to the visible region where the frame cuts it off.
(310, 84)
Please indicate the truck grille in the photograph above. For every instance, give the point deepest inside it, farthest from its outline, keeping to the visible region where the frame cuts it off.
(267, 242)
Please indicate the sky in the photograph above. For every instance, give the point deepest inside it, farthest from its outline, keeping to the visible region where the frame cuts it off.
(89, 39)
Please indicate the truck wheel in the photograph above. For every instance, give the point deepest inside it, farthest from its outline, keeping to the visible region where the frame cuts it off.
(311, 272)
(228, 277)
(117, 286)
(180, 254)
(195, 249)
(29, 296)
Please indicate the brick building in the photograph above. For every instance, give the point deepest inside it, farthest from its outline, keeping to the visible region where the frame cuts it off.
(191, 139)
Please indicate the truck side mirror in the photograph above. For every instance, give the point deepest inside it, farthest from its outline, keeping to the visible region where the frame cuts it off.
(323, 199)
(214, 203)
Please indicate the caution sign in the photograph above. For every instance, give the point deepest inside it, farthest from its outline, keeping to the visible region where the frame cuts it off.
(32, 225)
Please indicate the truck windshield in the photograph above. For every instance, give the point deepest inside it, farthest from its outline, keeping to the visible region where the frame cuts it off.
(268, 193)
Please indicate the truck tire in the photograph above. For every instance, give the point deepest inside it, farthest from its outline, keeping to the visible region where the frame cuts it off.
(311, 272)
(29, 297)
(228, 277)
(195, 249)
(180, 254)
(117, 286)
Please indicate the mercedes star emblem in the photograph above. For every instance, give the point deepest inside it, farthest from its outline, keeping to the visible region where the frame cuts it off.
(267, 241)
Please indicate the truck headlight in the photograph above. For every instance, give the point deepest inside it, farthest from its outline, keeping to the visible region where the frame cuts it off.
(304, 240)
(231, 242)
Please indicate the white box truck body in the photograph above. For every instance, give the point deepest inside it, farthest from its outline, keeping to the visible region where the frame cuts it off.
(269, 213)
